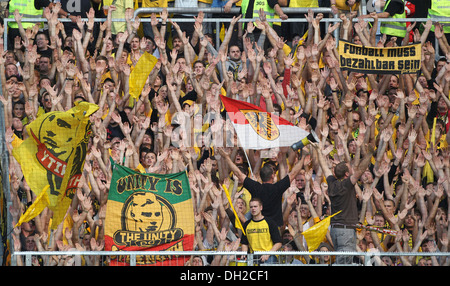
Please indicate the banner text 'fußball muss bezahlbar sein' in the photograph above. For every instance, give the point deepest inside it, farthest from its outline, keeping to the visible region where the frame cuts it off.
(375, 60)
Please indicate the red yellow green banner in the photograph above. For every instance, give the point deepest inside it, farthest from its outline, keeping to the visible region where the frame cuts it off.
(149, 212)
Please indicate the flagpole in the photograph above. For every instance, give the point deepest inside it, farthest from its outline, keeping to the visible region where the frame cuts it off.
(246, 156)
(249, 163)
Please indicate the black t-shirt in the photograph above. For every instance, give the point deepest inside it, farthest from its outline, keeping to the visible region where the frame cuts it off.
(395, 7)
(191, 95)
(421, 8)
(40, 4)
(77, 8)
(98, 8)
(271, 196)
(342, 195)
(48, 53)
(114, 131)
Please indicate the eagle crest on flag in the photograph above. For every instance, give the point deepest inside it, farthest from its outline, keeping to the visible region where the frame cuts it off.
(262, 123)
(257, 128)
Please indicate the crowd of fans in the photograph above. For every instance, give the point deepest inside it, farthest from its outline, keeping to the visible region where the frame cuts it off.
(303, 83)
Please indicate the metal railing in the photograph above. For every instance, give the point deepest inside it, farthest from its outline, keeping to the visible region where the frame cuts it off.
(234, 11)
(187, 10)
(250, 259)
(133, 255)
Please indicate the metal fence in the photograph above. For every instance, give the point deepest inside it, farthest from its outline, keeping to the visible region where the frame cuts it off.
(329, 18)
(133, 258)
(175, 11)
(284, 258)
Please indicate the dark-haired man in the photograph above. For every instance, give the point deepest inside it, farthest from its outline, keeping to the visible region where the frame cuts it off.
(270, 193)
(45, 66)
(342, 193)
(42, 41)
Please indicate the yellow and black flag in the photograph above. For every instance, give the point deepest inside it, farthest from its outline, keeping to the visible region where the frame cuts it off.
(52, 159)
(374, 60)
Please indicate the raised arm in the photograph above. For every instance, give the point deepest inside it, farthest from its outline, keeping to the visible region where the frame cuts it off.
(362, 167)
(241, 176)
(322, 162)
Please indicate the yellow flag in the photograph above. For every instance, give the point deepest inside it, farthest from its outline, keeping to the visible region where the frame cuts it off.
(140, 73)
(36, 208)
(316, 234)
(237, 220)
(222, 32)
(52, 158)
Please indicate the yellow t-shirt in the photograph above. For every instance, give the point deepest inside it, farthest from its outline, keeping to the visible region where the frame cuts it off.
(119, 13)
(152, 4)
(340, 4)
(304, 3)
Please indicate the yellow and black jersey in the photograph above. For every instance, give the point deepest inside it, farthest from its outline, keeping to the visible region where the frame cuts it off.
(261, 235)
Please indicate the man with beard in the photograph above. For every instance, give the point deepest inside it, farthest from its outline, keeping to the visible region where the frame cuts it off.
(234, 62)
(177, 45)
